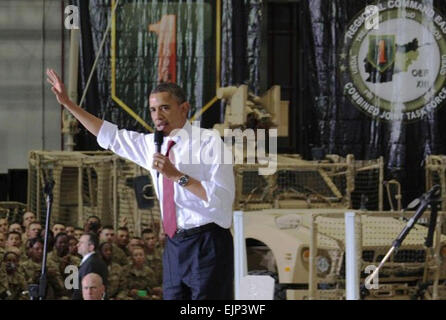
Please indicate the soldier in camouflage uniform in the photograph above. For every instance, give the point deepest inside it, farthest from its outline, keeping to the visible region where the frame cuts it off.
(117, 280)
(28, 218)
(13, 239)
(69, 230)
(60, 255)
(57, 228)
(135, 242)
(119, 256)
(3, 280)
(153, 254)
(108, 235)
(141, 279)
(122, 240)
(13, 284)
(4, 225)
(33, 230)
(32, 271)
(75, 257)
(2, 244)
(16, 227)
(78, 232)
(14, 244)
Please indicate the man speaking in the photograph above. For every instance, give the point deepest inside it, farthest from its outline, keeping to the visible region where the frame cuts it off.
(196, 197)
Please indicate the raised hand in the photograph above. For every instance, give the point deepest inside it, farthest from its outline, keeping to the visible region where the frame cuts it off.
(58, 87)
(89, 121)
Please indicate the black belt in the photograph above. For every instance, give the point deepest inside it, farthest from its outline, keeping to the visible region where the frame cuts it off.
(189, 232)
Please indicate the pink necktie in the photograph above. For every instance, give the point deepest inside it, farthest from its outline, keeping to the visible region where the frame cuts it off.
(169, 214)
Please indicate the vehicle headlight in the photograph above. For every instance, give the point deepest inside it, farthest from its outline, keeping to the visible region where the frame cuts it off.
(322, 261)
(305, 255)
(323, 264)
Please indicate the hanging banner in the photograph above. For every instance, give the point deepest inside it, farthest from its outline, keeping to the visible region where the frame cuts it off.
(393, 60)
(161, 41)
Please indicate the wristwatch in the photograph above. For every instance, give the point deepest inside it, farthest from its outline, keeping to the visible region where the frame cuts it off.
(184, 180)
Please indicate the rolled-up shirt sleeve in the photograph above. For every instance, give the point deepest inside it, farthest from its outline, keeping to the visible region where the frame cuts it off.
(106, 134)
(131, 145)
(220, 187)
(218, 182)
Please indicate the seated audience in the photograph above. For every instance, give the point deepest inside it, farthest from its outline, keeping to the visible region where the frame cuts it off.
(58, 227)
(16, 227)
(28, 217)
(14, 280)
(32, 270)
(117, 285)
(108, 235)
(4, 225)
(78, 232)
(141, 279)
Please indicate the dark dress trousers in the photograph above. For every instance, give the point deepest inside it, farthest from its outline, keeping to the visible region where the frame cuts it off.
(199, 266)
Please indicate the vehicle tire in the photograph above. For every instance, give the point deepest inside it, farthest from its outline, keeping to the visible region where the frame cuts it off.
(279, 290)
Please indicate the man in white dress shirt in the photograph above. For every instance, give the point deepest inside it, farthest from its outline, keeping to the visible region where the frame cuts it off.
(196, 190)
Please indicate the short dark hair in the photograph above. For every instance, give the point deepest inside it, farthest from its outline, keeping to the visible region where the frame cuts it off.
(79, 229)
(13, 232)
(60, 234)
(108, 227)
(103, 244)
(7, 253)
(147, 230)
(93, 239)
(173, 89)
(139, 247)
(16, 222)
(34, 222)
(31, 242)
(123, 229)
(93, 216)
(72, 238)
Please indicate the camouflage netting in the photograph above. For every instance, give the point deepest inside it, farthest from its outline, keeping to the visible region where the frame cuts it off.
(92, 183)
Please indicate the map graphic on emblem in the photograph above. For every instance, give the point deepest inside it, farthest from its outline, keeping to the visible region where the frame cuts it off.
(385, 58)
(398, 70)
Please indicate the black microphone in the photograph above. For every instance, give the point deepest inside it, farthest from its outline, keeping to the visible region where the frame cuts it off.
(159, 137)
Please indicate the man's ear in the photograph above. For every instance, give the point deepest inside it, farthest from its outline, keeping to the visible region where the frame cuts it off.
(185, 107)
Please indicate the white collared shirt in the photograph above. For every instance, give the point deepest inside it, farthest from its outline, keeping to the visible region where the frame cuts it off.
(84, 258)
(190, 146)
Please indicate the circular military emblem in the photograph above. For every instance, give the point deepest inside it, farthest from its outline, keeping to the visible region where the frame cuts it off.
(393, 60)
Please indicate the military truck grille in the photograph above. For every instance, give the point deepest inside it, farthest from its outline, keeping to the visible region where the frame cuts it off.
(252, 180)
(402, 256)
(368, 255)
(307, 182)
